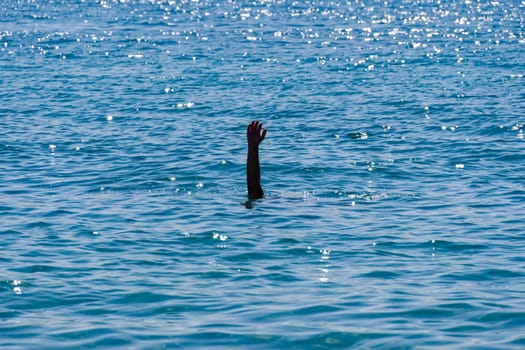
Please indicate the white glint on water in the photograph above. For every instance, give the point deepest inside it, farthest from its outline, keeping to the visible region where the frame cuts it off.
(325, 254)
(220, 237)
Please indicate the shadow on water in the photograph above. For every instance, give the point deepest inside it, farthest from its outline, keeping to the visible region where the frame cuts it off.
(250, 203)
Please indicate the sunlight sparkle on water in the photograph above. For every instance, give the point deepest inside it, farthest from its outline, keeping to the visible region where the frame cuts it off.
(220, 237)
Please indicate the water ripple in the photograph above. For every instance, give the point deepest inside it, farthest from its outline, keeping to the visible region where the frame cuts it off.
(392, 171)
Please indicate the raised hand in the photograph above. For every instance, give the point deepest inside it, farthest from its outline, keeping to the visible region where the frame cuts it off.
(254, 134)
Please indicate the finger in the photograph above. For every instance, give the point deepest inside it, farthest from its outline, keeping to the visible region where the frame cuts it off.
(249, 130)
(264, 134)
(259, 127)
(253, 126)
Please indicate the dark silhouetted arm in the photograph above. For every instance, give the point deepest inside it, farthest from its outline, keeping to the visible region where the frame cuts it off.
(253, 171)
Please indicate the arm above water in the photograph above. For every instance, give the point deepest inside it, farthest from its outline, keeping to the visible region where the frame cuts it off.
(255, 134)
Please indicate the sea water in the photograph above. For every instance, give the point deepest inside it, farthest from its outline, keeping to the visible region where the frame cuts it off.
(393, 168)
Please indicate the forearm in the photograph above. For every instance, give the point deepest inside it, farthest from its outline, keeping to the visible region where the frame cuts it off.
(253, 173)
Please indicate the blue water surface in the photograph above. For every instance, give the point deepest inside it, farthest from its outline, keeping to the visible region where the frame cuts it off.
(393, 167)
